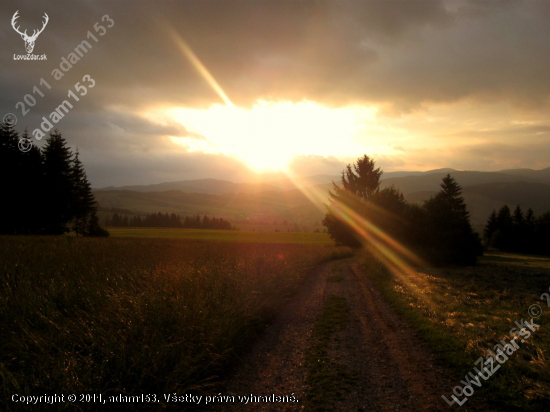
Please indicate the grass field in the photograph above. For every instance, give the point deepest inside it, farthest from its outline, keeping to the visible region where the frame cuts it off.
(463, 312)
(129, 316)
(224, 235)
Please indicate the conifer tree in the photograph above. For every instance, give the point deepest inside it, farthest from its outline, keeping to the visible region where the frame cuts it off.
(360, 183)
(450, 238)
(518, 216)
(57, 184)
(10, 170)
(490, 228)
(451, 192)
(93, 228)
(83, 201)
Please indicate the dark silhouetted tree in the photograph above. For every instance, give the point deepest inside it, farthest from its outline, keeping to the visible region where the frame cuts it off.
(359, 183)
(83, 201)
(450, 238)
(503, 237)
(490, 228)
(93, 228)
(58, 184)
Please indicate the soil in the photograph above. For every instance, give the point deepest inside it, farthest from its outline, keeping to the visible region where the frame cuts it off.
(391, 367)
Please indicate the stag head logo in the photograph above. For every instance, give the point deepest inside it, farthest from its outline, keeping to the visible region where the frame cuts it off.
(29, 40)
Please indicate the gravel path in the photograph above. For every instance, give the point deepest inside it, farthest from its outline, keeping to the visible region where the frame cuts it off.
(392, 369)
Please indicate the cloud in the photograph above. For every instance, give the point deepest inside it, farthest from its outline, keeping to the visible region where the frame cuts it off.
(316, 165)
(402, 52)
(410, 59)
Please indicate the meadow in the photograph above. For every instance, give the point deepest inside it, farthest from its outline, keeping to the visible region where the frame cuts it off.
(461, 312)
(131, 316)
(225, 235)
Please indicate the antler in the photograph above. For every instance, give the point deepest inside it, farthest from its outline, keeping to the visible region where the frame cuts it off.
(37, 32)
(15, 17)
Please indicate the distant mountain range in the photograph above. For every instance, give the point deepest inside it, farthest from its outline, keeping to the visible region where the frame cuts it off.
(276, 200)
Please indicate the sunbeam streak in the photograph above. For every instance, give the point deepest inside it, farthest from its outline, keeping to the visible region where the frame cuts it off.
(197, 64)
(394, 255)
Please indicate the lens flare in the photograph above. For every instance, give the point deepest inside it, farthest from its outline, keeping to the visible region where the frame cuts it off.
(197, 64)
(395, 256)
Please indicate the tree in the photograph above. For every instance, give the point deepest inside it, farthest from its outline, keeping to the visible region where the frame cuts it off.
(363, 181)
(504, 218)
(451, 193)
(542, 234)
(93, 229)
(517, 218)
(360, 182)
(83, 201)
(530, 218)
(28, 178)
(20, 179)
(116, 221)
(490, 228)
(450, 238)
(57, 183)
(503, 237)
(51, 178)
(388, 210)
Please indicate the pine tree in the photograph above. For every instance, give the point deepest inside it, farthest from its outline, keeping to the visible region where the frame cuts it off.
(360, 183)
(10, 169)
(93, 228)
(57, 184)
(530, 218)
(490, 228)
(116, 221)
(517, 218)
(542, 234)
(29, 179)
(451, 193)
(83, 201)
(503, 237)
(504, 218)
(449, 236)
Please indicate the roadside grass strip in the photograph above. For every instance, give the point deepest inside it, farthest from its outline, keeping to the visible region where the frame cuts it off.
(327, 380)
(460, 312)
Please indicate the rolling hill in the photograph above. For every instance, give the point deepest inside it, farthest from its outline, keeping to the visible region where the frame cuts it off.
(263, 202)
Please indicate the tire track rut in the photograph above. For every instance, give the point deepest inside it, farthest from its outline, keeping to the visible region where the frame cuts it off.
(391, 368)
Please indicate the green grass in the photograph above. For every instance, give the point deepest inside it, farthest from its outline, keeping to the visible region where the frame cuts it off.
(461, 312)
(131, 316)
(224, 235)
(327, 381)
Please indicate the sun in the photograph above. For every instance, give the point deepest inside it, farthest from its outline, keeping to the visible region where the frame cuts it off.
(268, 135)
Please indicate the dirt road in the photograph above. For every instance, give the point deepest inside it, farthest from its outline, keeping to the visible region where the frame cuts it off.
(391, 369)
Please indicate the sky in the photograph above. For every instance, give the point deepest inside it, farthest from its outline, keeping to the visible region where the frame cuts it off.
(234, 90)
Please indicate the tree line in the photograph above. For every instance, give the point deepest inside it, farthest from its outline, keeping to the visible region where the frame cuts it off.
(166, 220)
(518, 231)
(439, 231)
(46, 190)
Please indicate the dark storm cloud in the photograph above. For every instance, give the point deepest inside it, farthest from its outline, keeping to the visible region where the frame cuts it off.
(403, 54)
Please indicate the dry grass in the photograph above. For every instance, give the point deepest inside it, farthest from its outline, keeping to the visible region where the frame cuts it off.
(464, 312)
(132, 316)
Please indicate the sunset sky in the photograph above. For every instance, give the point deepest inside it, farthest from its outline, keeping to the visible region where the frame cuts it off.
(196, 89)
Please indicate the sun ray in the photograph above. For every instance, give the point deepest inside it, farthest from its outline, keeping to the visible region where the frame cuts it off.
(396, 257)
(199, 66)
